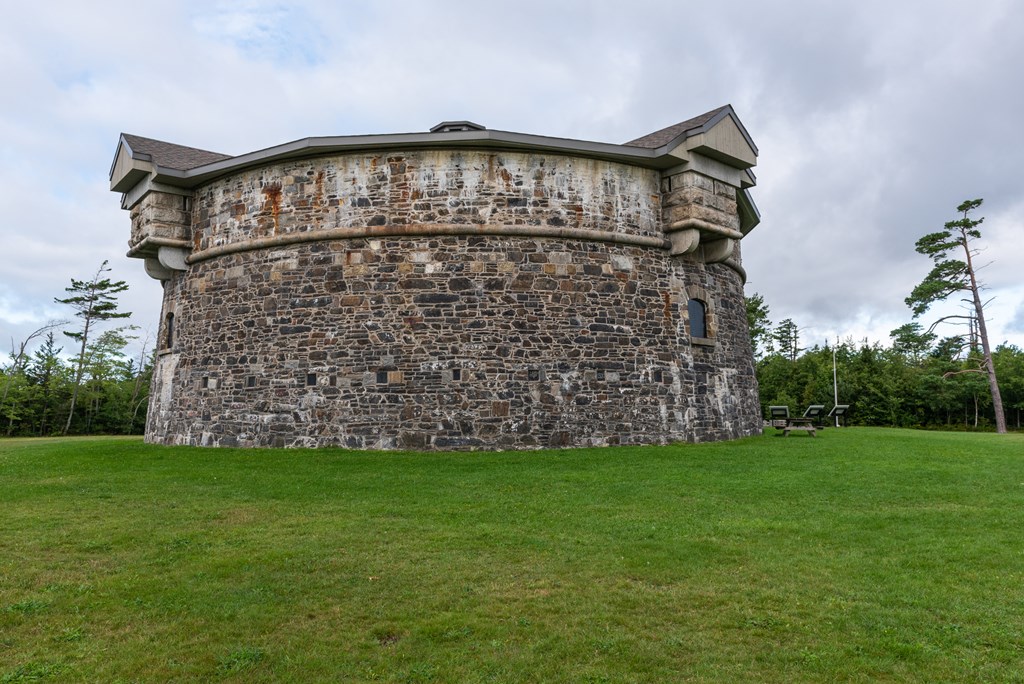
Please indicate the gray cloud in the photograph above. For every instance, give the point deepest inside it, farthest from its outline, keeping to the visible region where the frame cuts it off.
(874, 120)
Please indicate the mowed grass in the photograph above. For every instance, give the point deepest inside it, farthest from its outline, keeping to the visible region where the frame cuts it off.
(860, 555)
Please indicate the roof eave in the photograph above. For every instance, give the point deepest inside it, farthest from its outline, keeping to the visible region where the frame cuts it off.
(750, 215)
(658, 159)
(487, 139)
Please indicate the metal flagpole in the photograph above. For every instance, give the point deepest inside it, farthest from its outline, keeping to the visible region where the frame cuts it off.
(835, 381)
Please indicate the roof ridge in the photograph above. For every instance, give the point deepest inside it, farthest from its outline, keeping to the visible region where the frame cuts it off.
(664, 136)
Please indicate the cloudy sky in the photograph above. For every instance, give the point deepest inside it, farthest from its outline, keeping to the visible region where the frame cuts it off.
(874, 120)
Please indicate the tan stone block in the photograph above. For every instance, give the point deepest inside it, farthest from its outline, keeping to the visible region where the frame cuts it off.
(559, 257)
(725, 190)
(692, 179)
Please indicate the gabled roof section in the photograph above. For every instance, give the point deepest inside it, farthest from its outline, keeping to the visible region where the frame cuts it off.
(718, 134)
(170, 155)
(137, 157)
(666, 135)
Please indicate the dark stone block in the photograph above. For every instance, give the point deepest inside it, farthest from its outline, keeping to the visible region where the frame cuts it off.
(456, 284)
(436, 298)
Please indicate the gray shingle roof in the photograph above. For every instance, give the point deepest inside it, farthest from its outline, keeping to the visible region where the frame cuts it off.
(667, 135)
(170, 155)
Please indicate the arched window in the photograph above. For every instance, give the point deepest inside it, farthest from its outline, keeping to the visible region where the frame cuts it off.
(169, 331)
(697, 312)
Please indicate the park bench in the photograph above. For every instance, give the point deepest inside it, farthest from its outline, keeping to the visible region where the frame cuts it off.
(781, 420)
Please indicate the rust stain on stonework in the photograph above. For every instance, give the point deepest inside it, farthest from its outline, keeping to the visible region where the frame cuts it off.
(668, 305)
(273, 203)
(318, 189)
(577, 209)
(506, 178)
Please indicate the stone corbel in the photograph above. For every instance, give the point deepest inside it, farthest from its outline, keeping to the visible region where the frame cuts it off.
(167, 261)
(684, 241)
(172, 258)
(156, 271)
(717, 250)
(716, 243)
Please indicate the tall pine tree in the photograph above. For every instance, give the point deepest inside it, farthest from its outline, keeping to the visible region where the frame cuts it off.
(94, 301)
(951, 275)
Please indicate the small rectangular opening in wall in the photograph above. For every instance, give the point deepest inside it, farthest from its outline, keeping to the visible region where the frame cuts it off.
(204, 383)
(456, 373)
(250, 381)
(310, 379)
(333, 381)
(382, 377)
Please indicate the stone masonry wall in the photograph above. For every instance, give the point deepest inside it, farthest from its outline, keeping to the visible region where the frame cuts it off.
(451, 343)
(421, 339)
(427, 188)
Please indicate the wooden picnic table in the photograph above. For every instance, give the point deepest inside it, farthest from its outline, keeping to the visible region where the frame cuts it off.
(805, 424)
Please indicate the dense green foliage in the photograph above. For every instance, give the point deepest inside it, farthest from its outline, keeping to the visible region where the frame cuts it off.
(111, 399)
(860, 555)
(100, 391)
(918, 381)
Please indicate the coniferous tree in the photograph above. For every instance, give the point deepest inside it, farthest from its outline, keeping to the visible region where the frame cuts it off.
(48, 375)
(787, 336)
(951, 275)
(759, 325)
(15, 372)
(94, 301)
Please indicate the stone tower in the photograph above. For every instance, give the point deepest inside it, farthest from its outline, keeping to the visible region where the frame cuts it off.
(456, 289)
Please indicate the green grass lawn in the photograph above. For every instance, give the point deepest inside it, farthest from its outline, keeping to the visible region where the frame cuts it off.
(860, 555)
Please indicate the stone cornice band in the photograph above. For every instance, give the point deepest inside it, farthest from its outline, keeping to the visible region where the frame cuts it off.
(439, 229)
(704, 227)
(150, 244)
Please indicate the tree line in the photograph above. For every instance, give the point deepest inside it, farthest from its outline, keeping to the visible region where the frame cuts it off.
(98, 389)
(921, 379)
(899, 385)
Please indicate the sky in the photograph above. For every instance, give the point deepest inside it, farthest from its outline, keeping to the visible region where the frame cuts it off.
(873, 120)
